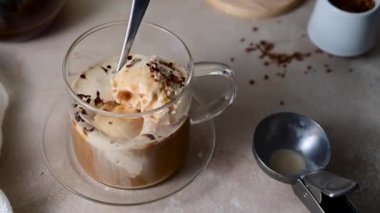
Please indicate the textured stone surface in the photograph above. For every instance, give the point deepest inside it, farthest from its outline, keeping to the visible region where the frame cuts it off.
(345, 103)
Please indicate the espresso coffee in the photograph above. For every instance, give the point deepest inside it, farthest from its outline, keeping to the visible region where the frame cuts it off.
(354, 6)
(140, 150)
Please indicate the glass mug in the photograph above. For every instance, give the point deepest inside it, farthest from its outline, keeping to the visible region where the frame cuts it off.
(138, 149)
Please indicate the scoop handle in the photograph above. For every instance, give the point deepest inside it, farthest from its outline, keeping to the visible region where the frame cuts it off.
(216, 106)
(330, 184)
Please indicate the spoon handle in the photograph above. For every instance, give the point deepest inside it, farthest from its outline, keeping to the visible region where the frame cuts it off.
(137, 13)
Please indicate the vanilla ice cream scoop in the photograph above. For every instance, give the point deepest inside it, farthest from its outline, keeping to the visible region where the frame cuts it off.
(118, 128)
(147, 83)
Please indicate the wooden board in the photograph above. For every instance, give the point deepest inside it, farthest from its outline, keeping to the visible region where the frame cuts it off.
(255, 8)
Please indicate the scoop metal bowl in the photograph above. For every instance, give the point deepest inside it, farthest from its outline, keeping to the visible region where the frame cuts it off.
(294, 149)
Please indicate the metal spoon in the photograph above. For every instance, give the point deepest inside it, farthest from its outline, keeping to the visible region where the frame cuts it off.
(136, 15)
(294, 149)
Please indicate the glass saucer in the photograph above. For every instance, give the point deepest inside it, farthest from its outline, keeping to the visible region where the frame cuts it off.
(59, 156)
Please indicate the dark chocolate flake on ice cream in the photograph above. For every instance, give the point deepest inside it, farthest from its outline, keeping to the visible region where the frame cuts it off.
(98, 100)
(104, 69)
(133, 62)
(150, 136)
(78, 118)
(85, 98)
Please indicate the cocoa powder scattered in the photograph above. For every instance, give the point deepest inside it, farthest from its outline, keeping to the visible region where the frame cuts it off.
(281, 59)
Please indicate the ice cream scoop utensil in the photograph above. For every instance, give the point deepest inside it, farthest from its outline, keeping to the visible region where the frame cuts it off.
(136, 15)
(294, 149)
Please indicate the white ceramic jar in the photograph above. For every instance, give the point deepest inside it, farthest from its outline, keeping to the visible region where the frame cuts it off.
(343, 33)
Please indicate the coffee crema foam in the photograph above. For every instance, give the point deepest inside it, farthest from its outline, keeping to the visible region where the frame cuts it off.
(131, 152)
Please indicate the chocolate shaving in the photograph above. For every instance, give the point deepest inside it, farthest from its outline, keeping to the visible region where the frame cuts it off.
(85, 98)
(129, 57)
(83, 76)
(109, 66)
(98, 100)
(168, 64)
(133, 62)
(83, 111)
(78, 118)
(89, 130)
(150, 136)
(104, 69)
(110, 122)
(86, 131)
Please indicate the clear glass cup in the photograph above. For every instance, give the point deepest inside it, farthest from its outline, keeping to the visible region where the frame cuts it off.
(115, 148)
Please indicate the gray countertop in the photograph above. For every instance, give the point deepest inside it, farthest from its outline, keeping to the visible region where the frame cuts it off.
(346, 102)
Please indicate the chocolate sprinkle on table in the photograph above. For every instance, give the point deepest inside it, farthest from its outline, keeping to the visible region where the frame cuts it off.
(109, 66)
(110, 122)
(266, 77)
(282, 75)
(242, 39)
(232, 59)
(255, 29)
(267, 53)
(318, 51)
(282, 103)
(252, 82)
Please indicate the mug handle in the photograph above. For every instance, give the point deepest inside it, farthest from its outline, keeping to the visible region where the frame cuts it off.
(215, 107)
